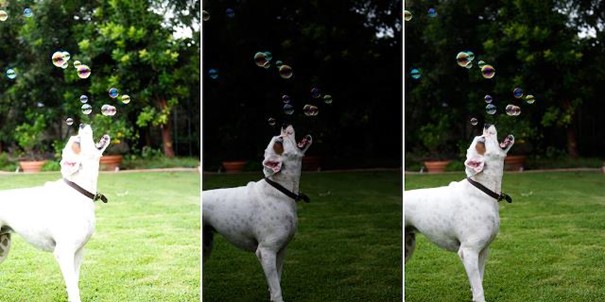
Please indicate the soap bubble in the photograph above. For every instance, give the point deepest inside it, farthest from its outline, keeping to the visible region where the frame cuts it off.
(125, 99)
(260, 58)
(83, 71)
(488, 71)
(407, 15)
(279, 63)
(490, 109)
(432, 12)
(86, 109)
(65, 65)
(11, 73)
(286, 99)
(213, 73)
(462, 59)
(518, 93)
(271, 121)
(328, 99)
(66, 56)
(3, 15)
(469, 65)
(69, 121)
(27, 12)
(58, 58)
(488, 98)
(288, 109)
(230, 12)
(310, 110)
(315, 93)
(471, 55)
(108, 110)
(205, 15)
(77, 63)
(529, 99)
(285, 71)
(83, 99)
(512, 110)
(474, 121)
(415, 73)
(113, 93)
(268, 55)
(481, 63)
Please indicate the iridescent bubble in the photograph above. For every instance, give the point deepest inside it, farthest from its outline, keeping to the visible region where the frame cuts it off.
(490, 109)
(66, 56)
(58, 59)
(488, 71)
(471, 55)
(529, 99)
(113, 93)
(288, 109)
(65, 65)
(205, 15)
(11, 73)
(310, 110)
(3, 15)
(286, 99)
(488, 98)
(474, 121)
(315, 93)
(271, 121)
(278, 63)
(469, 65)
(213, 73)
(125, 99)
(108, 110)
(69, 121)
(268, 55)
(285, 71)
(518, 93)
(83, 99)
(77, 63)
(415, 73)
(512, 110)
(27, 12)
(266, 66)
(86, 109)
(407, 15)
(83, 71)
(260, 58)
(481, 63)
(328, 99)
(432, 12)
(230, 12)
(462, 59)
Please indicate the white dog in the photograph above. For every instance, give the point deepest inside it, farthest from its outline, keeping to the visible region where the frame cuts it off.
(59, 217)
(261, 217)
(463, 216)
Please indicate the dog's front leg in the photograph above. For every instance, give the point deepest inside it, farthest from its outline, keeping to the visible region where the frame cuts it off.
(281, 255)
(66, 257)
(268, 260)
(482, 261)
(470, 259)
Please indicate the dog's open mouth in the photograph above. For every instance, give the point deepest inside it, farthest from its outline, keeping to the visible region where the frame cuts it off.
(508, 140)
(304, 142)
(102, 142)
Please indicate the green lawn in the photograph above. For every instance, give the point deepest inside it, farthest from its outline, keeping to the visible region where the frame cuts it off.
(348, 245)
(146, 246)
(551, 245)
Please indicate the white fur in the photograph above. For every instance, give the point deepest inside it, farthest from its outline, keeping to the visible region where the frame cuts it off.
(55, 217)
(460, 217)
(257, 217)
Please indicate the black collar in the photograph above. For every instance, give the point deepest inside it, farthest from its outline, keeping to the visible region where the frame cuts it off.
(297, 197)
(94, 197)
(490, 192)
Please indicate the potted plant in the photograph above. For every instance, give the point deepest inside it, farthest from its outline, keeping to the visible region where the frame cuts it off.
(120, 132)
(434, 138)
(29, 137)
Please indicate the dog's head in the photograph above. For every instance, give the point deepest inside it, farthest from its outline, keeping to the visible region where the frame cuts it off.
(486, 149)
(283, 150)
(81, 152)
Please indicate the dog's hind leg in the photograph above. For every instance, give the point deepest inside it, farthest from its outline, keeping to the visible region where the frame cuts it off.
(470, 259)
(208, 234)
(5, 245)
(65, 256)
(410, 244)
(268, 260)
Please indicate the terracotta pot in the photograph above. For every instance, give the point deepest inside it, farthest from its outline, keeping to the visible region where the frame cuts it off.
(32, 166)
(234, 166)
(514, 162)
(311, 163)
(436, 166)
(111, 162)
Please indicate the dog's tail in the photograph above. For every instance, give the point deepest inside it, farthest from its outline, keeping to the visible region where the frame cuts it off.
(208, 238)
(5, 245)
(410, 243)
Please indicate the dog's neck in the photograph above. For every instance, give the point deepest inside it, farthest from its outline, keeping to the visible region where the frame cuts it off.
(491, 176)
(289, 176)
(86, 178)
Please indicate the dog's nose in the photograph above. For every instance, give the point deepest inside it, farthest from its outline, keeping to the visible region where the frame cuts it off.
(82, 126)
(487, 125)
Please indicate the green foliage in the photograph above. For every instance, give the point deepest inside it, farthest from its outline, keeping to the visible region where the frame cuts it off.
(29, 135)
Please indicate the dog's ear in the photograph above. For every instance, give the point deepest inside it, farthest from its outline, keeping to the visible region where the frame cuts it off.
(272, 165)
(474, 165)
